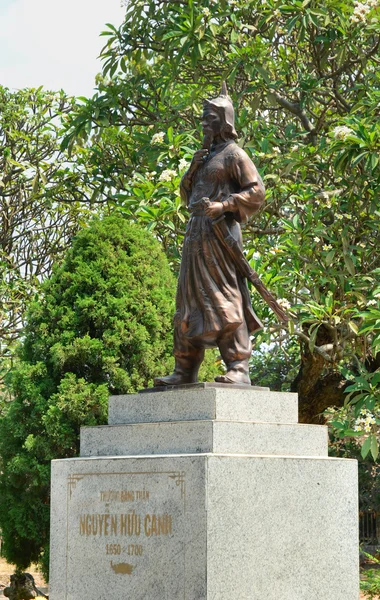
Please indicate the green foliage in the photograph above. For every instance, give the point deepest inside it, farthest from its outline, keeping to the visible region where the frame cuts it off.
(45, 197)
(345, 442)
(40, 198)
(370, 581)
(362, 414)
(274, 367)
(305, 80)
(102, 324)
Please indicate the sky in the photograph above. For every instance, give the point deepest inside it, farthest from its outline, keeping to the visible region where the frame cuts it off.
(54, 43)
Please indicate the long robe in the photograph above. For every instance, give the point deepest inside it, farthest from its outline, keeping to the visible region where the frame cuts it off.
(212, 297)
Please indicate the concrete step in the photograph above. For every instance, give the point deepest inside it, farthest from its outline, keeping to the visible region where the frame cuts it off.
(215, 403)
(188, 437)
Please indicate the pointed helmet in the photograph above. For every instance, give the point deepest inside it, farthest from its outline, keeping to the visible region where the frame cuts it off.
(224, 107)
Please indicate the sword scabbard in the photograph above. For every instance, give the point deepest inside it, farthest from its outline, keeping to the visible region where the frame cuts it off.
(232, 246)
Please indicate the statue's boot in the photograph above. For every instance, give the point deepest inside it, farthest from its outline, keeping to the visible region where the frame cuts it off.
(185, 371)
(237, 373)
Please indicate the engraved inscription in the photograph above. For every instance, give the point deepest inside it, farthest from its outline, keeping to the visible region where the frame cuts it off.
(125, 524)
(124, 495)
(128, 525)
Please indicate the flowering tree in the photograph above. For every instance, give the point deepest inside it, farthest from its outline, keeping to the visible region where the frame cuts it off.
(44, 198)
(305, 79)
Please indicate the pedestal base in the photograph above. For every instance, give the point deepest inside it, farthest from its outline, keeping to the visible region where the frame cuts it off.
(204, 527)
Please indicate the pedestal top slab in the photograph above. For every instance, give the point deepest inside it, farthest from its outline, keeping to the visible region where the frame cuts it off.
(211, 402)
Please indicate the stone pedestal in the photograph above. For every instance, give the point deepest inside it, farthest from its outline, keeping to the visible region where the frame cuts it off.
(205, 494)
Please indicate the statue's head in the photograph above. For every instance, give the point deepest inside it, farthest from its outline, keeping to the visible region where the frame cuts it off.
(219, 116)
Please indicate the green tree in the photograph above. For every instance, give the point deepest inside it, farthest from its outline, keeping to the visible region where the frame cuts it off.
(305, 79)
(44, 199)
(101, 324)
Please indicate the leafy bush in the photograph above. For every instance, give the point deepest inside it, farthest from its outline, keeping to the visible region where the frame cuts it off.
(101, 325)
(370, 582)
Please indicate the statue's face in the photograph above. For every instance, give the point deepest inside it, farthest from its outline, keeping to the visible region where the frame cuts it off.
(211, 123)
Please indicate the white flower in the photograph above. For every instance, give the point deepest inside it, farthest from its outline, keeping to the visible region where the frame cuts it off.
(167, 175)
(339, 216)
(377, 296)
(206, 11)
(284, 303)
(372, 302)
(276, 150)
(317, 239)
(158, 138)
(361, 10)
(294, 148)
(327, 247)
(151, 175)
(367, 428)
(277, 13)
(183, 164)
(342, 132)
(370, 420)
(326, 197)
(256, 255)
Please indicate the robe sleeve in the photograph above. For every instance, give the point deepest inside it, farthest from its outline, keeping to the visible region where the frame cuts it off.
(250, 197)
(185, 188)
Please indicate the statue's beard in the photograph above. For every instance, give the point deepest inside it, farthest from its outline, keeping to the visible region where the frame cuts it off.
(207, 141)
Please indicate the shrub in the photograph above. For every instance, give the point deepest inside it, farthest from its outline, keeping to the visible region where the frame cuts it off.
(101, 325)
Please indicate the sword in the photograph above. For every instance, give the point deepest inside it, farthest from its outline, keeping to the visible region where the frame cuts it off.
(232, 246)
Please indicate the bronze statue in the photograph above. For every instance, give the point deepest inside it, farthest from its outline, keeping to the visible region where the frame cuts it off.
(222, 188)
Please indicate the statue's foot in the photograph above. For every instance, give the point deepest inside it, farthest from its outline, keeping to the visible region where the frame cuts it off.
(237, 373)
(234, 377)
(173, 379)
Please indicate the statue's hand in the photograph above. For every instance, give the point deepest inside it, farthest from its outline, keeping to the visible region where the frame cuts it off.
(214, 210)
(198, 158)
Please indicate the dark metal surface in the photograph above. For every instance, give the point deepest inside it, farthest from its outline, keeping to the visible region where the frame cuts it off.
(213, 305)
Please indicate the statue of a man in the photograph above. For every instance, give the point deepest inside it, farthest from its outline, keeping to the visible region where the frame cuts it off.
(213, 306)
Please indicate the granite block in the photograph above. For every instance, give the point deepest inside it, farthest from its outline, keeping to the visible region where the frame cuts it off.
(211, 403)
(282, 529)
(204, 527)
(128, 528)
(183, 437)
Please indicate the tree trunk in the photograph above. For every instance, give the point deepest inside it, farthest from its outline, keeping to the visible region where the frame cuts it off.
(317, 387)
